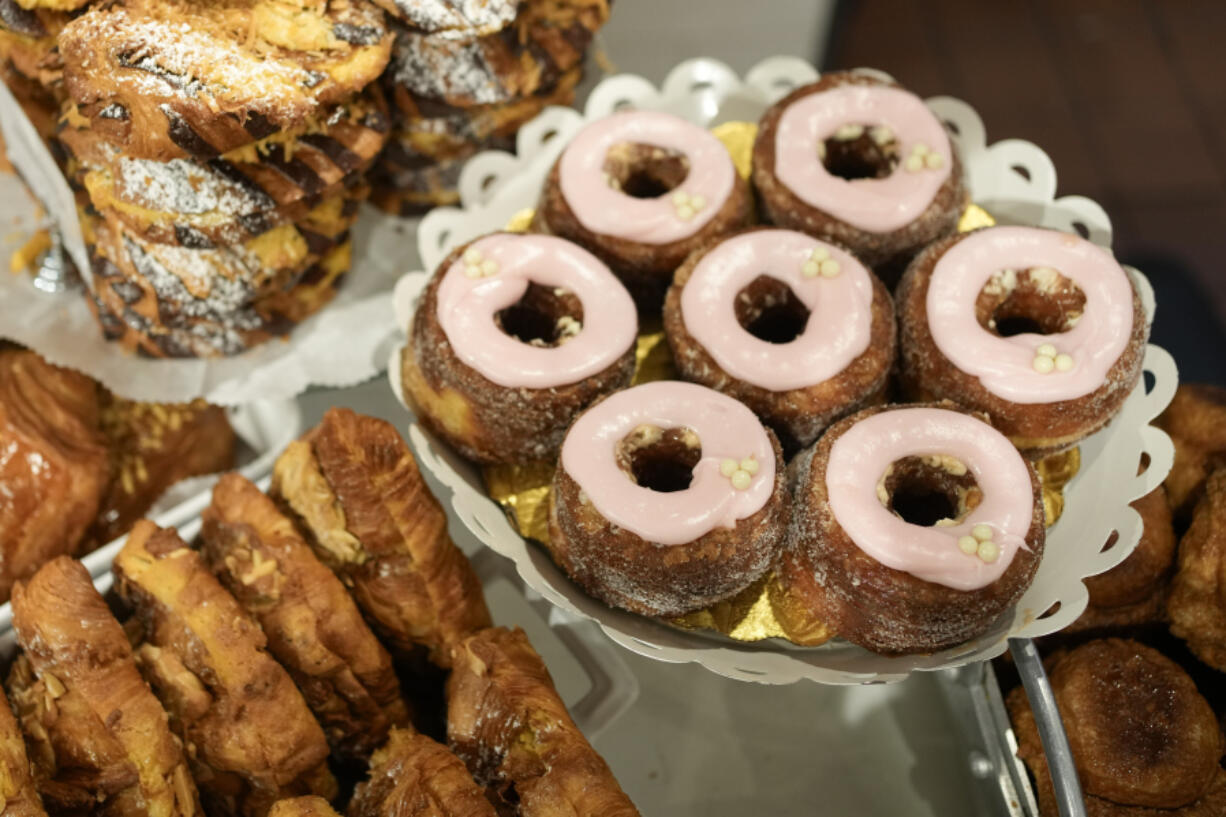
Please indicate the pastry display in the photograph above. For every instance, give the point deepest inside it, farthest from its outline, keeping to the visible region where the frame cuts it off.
(312, 624)
(253, 738)
(506, 722)
(17, 787)
(1144, 740)
(668, 497)
(354, 490)
(100, 739)
(861, 162)
(1196, 606)
(415, 775)
(1041, 330)
(1196, 423)
(914, 528)
(793, 327)
(642, 190)
(513, 337)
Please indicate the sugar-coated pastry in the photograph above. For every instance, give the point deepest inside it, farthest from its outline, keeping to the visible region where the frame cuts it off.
(667, 498)
(507, 723)
(793, 327)
(54, 469)
(1196, 422)
(1145, 742)
(306, 806)
(1041, 330)
(861, 162)
(463, 20)
(642, 190)
(313, 626)
(101, 737)
(17, 787)
(255, 741)
(514, 336)
(914, 528)
(355, 492)
(415, 776)
(1196, 606)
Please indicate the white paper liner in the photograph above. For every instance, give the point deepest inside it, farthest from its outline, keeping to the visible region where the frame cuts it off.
(1014, 180)
(263, 427)
(344, 344)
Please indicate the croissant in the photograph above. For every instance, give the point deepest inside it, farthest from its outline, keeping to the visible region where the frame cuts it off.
(312, 624)
(18, 794)
(413, 776)
(53, 464)
(355, 490)
(107, 739)
(246, 726)
(507, 723)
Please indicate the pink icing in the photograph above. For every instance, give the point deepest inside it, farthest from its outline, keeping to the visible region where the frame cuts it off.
(840, 319)
(607, 211)
(1005, 366)
(466, 309)
(726, 429)
(875, 205)
(859, 458)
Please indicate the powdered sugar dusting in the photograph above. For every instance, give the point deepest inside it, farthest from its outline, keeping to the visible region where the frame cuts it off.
(441, 69)
(190, 280)
(181, 186)
(457, 18)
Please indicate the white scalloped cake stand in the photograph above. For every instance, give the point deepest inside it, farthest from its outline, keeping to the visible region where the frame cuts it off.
(1014, 181)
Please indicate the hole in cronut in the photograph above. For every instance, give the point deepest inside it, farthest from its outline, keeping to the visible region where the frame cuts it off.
(660, 459)
(927, 490)
(542, 317)
(860, 152)
(1037, 301)
(768, 309)
(645, 171)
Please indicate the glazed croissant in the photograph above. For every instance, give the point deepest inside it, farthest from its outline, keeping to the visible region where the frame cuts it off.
(507, 723)
(413, 776)
(18, 793)
(355, 489)
(247, 728)
(53, 462)
(102, 739)
(312, 624)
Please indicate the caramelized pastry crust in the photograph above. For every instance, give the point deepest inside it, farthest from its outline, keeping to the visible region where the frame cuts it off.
(77, 649)
(1196, 421)
(1197, 603)
(354, 489)
(305, 806)
(507, 723)
(1141, 734)
(17, 786)
(313, 626)
(192, 79)
(412, 776)
(53, 462)
(248, 731)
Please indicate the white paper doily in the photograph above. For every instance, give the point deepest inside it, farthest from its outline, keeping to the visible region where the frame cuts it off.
(1014, 180)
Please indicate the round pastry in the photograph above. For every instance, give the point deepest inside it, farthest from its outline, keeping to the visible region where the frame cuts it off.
(1041, 330)
(166, 79)
(1196, 422)
(668, 497)
(1197, 603)
(795, 328)
(861, 162)
(513, 337)
(914, 528)
(642, 190)
(1141, 734)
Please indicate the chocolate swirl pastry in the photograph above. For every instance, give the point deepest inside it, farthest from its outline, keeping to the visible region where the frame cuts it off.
(458, 19)
(28, 38)
(188, 78)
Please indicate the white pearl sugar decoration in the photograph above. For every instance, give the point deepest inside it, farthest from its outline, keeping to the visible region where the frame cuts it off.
(476, 265)
(739, 473)
(687, 206)
(923, 157)
(979, 543)
(820, 263)
(1048, 359)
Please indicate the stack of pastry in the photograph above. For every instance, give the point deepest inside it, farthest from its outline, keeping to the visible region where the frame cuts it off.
(81, 465)
(255, 667)
(30, 63)
(220, 150)
(464, 77)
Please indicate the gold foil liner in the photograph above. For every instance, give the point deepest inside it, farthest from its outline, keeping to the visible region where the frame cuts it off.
(765, 609)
